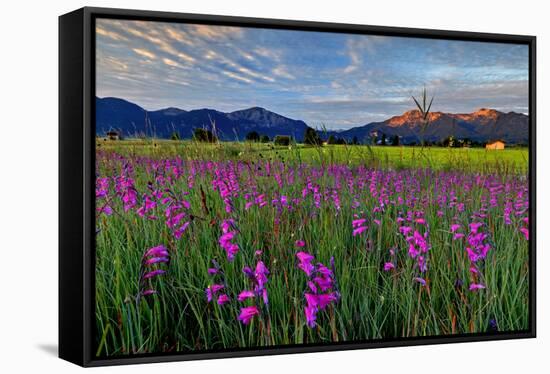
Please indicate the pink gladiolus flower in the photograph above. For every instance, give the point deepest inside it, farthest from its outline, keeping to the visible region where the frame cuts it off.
(358, 222)
(311, 315)
(179, 232)
(154, 273)
(475, 226)
(246, 294)
(227, 224)
(405, 230)
(305, 259)
(300, 243)
(323, 300)
(525, 232)
(155, 260)
(389, 266)
(476, 286)
(261, 274)
(158, 251)
(212, 290)
(454, 227)
(359, 230)
(223, 299)
(225, 242)
(324, 283)
(247, 313)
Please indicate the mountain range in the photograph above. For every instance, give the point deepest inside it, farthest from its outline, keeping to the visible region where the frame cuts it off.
(132, 120)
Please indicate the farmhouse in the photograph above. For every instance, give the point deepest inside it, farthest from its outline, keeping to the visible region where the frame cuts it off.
(495, 145)
(113, 135)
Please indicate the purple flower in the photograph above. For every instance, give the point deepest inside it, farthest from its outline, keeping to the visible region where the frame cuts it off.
(311, 315)
(323, 300)
(158, 251)
(389, 266)
(246, 294)
(179, 232)
(420, 221)
(305, 259)
(226, 239)
(247, 313)
(223, 299)
(525, 232)
(151, 259)
(476, 286)
(454, 227)
(359, 230)
(422, 281)
(405, 230)
(474, 227)
(261, 274)
(300, 243)
(155, 260)
(153, 273)
(227, 225)
(212, 290)
(213, 271)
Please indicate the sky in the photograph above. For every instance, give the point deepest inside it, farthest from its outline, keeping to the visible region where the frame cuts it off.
(330, 80)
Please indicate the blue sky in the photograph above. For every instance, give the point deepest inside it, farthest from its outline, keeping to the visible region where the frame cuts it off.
(326, 79)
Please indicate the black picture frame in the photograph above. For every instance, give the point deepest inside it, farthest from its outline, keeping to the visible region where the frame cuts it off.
(76, 181)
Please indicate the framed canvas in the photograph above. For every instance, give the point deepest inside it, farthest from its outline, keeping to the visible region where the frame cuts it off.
(236, 186)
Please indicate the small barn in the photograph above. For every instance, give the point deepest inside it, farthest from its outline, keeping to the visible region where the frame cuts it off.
(113, 135)
(495, 145)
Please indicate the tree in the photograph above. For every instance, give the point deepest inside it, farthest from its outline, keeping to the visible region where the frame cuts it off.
(395, 140)
(331, 139)
(175, 136)
(340, 141)
(203, 135)
(355, 141)
(282, 140)
(264, 139)
(311, 137)
(449, 141)
(383, 142)
(252, 136)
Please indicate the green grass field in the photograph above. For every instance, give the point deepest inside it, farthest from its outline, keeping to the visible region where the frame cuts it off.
(314, 195)
(438, 158)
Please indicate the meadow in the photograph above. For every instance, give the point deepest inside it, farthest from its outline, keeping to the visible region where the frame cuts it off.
(226, 245)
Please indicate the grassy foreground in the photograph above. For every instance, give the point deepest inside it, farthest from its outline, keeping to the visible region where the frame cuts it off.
(405, 242)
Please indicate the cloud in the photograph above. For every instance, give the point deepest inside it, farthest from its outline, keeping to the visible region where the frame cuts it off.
(217, 32)
(110, 34)
(169, 62)
(237, 77)
(281, 71)
(268, 53)
(355, 61)
(144, 53)
(178, 35)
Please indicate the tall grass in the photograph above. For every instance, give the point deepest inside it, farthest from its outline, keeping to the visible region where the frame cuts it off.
(374, 303)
